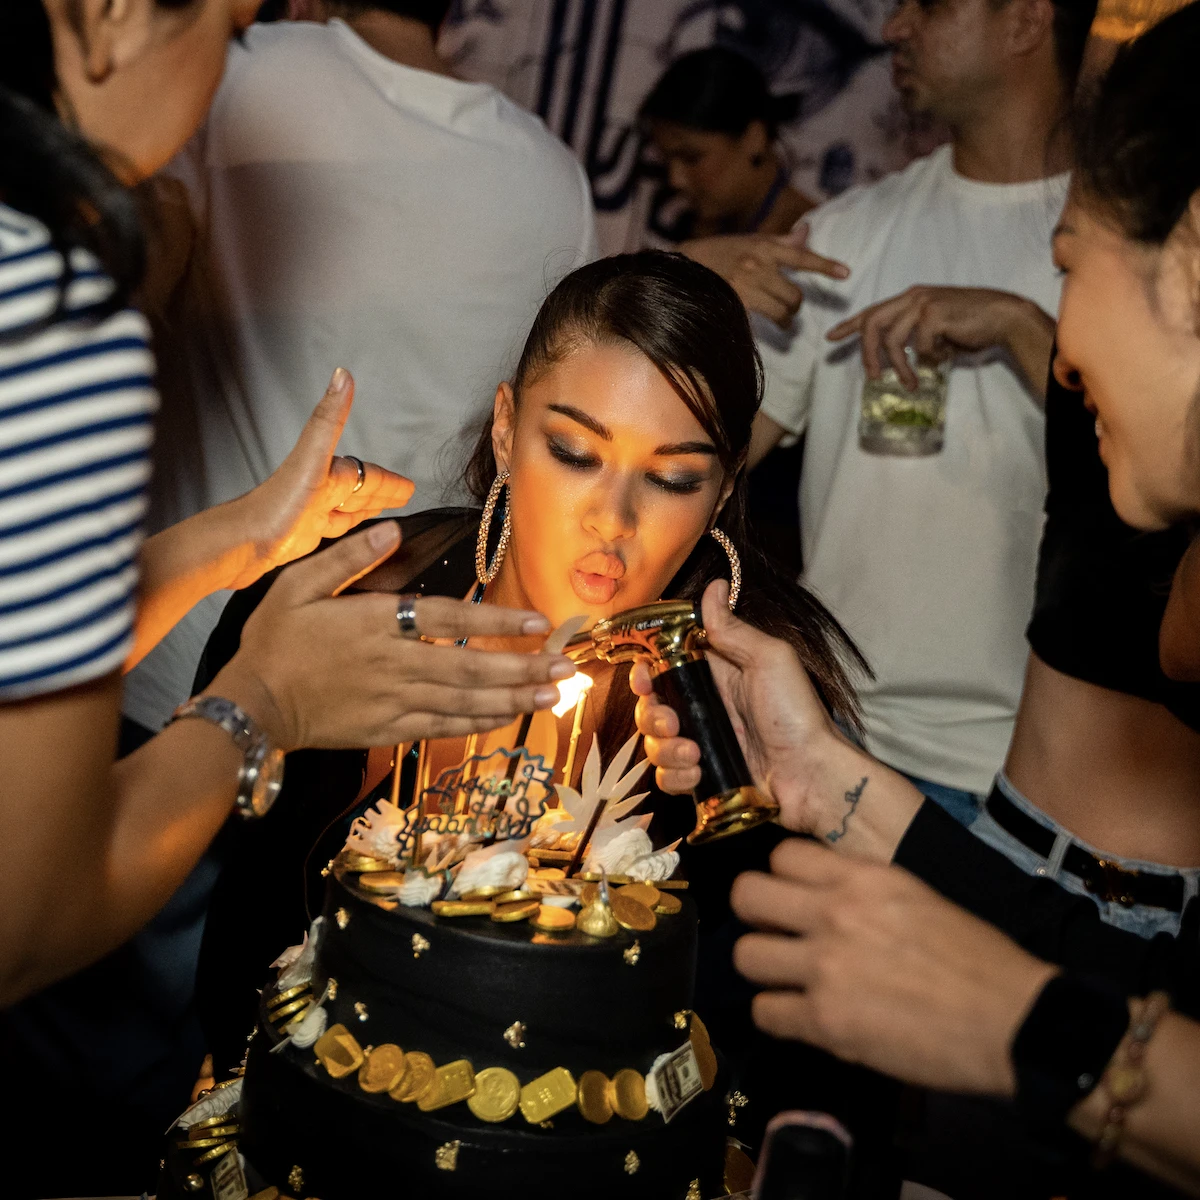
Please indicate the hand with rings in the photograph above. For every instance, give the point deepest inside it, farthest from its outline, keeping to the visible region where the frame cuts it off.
(320, 669)
(314, 494)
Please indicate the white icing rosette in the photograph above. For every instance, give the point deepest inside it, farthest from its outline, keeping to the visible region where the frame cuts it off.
(652, 1097)
(309, 1027)
(503, 865)
(420, 889)
(654, 867)
(617, 848)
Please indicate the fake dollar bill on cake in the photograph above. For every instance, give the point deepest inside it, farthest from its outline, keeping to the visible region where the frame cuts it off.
(495, 1001)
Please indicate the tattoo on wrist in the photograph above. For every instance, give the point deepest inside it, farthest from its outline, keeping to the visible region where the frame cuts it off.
(852, 797)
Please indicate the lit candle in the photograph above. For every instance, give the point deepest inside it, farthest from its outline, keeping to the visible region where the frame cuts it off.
(573, 691)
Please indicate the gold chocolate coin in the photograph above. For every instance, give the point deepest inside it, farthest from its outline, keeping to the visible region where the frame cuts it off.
(208, 1123)
(516, 894)
(215, 1131)
(361, 863)
(593, 1099)
(282, 1015)
(497, 1094)
(521, 910)
(739, 1169)
(672, 885)
(200, 1143)
(462, 908)
(643, 893)
(451, 1083)
(338, 1052)
(553, 919)
(290, 994)
(627, 1095)
(706, 1060)
(550, 873)
(215, 1152)
(667, 905)
(418, 1077)
(384, 1068)
(547, 1095)
(630, 914)
(484, 893)
(381, 881)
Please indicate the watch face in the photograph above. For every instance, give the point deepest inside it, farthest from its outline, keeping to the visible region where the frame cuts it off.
(267, 783)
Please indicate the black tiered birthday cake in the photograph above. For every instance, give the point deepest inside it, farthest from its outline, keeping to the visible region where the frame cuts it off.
(473, 1015)
(468, 1056)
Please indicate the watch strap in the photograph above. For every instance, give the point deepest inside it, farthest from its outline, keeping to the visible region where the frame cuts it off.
(247, 736)
(1063, 1046)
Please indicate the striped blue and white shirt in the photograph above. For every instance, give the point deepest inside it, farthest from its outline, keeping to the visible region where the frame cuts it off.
(77, 402)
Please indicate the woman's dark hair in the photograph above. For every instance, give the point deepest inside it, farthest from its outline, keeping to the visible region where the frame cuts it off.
(50, 171)
(1137, 150)
(716, 90)
(691, 325)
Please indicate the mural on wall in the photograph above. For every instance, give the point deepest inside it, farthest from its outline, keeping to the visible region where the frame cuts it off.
(585, 66)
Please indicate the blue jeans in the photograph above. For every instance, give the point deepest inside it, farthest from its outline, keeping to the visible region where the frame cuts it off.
(1143, 919)
(963, 806)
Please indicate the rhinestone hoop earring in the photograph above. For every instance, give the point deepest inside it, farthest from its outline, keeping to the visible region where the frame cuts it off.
(484, 572)
(735, 565)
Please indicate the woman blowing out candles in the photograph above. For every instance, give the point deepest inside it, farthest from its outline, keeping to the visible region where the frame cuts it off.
(613, 467)
(864, 959)
(94, 97)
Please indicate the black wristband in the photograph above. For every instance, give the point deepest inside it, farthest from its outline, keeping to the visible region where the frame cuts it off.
(1064, 1044)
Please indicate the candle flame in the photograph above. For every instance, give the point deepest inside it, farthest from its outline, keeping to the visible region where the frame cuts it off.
(570, 690)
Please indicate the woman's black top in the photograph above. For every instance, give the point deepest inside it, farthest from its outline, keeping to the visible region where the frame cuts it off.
(1102, 586)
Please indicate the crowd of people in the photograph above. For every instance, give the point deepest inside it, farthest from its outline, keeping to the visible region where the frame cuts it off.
(977, 706)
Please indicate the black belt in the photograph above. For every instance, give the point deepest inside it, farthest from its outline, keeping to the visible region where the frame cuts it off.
(1105, 879)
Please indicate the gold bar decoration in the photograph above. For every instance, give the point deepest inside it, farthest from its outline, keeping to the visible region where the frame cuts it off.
(451, 1083)
(548, 1095)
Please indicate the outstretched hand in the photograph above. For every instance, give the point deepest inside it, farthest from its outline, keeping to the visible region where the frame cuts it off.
(313, 494)
(320, 669)
(755, 265)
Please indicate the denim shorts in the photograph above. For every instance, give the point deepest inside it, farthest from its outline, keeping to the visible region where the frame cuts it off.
(1145, 920)
(962, 805)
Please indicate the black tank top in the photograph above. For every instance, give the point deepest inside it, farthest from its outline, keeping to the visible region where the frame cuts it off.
(1102, 586)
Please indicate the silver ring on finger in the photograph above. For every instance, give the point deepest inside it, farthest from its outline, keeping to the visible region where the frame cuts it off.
(406, 617)
(362, 478)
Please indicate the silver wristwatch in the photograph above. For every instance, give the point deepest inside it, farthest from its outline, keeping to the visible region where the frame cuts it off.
(261, 775)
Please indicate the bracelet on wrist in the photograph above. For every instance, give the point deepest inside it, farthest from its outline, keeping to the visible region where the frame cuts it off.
(1124, 1082)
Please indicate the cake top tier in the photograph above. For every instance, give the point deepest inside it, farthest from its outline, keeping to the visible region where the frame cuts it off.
(504, 993)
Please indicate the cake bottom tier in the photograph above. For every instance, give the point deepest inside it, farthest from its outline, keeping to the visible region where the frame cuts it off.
(346, 1147)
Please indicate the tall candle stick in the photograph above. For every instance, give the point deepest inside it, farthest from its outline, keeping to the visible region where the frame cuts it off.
(576, 730)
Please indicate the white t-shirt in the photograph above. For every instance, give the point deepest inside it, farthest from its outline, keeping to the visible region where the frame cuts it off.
(350, 211)
(928, 562)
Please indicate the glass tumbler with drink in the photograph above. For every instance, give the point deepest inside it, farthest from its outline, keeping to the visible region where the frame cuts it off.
(895, 420)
